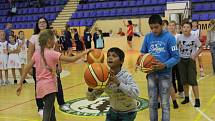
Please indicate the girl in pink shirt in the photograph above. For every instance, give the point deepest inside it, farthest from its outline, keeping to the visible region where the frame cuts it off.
(45, 61)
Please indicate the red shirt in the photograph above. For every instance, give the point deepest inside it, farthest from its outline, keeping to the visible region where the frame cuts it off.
(130, 31)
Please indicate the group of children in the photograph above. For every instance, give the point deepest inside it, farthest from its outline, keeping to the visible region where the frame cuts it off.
(122, 89)
(68, 40)
(13, 55)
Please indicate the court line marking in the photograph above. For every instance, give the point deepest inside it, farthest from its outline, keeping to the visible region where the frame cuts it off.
(19, 119)
(18, 104)
(208, 105)
(191, 100)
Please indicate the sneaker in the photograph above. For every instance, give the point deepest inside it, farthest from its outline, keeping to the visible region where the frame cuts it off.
(7, 82)
(159, 105)
(1, 82)
(40, 112)
(181, 94)
(24, 82)
(65, 107)
(15, 81)
(186, 100)
(197, 103)
(175, 104)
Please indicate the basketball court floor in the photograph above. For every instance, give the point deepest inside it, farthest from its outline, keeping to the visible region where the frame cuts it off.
(23, 108)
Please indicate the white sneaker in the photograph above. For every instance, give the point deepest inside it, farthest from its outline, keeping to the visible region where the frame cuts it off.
(7, 82)
(2, 83)
(181, 94)
(40, 112)
(65, 107)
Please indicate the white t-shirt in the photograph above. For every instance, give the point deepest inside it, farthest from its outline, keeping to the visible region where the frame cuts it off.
(188, 45)
(196, 32)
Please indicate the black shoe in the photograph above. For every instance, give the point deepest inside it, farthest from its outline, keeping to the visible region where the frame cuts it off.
(197, 103)
(175, 104)
(15, 81)
(25, 82)
(159, 105)
(186, 100)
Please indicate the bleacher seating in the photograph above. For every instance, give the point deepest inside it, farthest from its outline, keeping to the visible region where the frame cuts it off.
(86, 14)
(26, 15)
(94, 10)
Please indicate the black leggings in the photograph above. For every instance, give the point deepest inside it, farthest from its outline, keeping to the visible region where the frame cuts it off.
(59, 94)
(49, 110)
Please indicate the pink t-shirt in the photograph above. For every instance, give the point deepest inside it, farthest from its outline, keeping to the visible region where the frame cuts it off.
(46, 80)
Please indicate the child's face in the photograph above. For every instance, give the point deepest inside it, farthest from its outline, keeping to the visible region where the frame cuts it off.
(171, 27)
(2, 36)
(113, 60)
(194, 24)
(11, 39)
(156, 28)
(186, 29)
(21, 35)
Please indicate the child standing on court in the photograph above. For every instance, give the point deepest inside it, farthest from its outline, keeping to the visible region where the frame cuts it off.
(23, 49)
(189, 47)
(14, 61)
(197, 32)
(162, 45)
(45, 62)
(3, 58)
(121, 89)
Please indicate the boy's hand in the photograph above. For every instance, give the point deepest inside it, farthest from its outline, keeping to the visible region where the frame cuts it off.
(157, 65)
(113, 79)
(193, 57)
(19, 89)
(147, 70)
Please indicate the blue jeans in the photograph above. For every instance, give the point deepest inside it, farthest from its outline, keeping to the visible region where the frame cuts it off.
(212, 48)
(159, 86)
(117, 116)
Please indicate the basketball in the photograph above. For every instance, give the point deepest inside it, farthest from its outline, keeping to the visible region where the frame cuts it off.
(144, 60)
(95, 56)
(96, 75)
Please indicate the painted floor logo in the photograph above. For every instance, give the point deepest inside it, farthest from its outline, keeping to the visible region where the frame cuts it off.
(99, 107)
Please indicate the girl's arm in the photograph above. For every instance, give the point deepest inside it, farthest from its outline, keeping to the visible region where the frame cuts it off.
(31, 49)
(74, 58)
(25, 72)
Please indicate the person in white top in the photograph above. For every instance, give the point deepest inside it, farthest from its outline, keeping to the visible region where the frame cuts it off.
(23, 50)
(196, 32)
(175, 72)
(13, 57)
(3, 58)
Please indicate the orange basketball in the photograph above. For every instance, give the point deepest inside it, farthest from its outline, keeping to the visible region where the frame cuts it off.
(96, 75)
(144, 60)
(95, 56)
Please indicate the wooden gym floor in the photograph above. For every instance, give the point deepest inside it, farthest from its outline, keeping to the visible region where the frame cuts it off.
(23, 108)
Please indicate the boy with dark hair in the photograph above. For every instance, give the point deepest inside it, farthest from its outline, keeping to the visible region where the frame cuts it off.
(189, 47)
(162, 45)
(121, 89)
